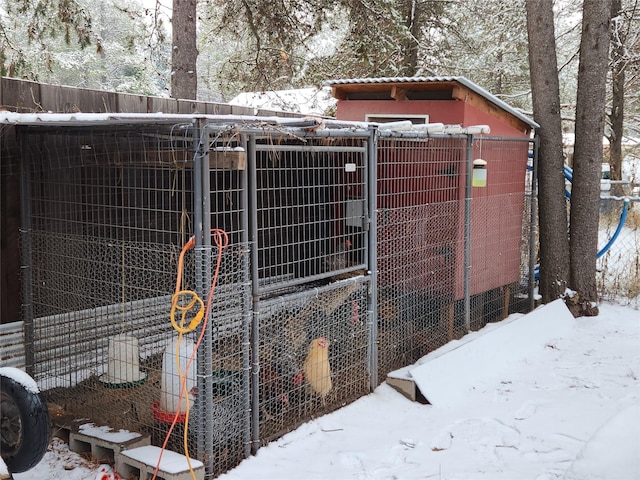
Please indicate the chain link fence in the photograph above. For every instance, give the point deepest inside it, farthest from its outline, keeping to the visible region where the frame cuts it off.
(618, 269)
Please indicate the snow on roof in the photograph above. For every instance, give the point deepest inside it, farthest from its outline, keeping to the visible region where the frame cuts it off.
(461, 80)
(310, 100)
(241, 122)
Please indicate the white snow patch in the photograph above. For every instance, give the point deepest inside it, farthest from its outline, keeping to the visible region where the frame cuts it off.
(107, 433)
(171, 462)
(448, 380)
(619, 437)
(20, 377)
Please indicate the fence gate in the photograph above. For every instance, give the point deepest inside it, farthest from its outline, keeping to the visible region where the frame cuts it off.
(311, 282)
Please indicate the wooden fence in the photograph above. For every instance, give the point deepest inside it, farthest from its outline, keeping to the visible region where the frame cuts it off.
(25, 96)
(30, 97)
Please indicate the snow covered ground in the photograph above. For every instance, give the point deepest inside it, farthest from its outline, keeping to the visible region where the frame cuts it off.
(567, 409)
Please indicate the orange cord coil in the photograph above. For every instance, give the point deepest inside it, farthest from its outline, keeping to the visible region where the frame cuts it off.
(221, 240)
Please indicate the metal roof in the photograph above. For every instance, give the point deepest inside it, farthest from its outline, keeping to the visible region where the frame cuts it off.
(461, 80)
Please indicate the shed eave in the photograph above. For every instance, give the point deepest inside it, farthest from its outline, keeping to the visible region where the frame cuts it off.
(341, 87)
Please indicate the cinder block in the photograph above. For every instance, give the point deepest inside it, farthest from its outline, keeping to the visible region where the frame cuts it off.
(142, 461)
(103, 442)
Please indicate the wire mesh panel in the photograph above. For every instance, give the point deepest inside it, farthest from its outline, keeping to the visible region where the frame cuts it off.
(497, 217)
(422, 241)
(313, 354)
(524, 298)
(420, 202)
(311, 218)
(618, 267)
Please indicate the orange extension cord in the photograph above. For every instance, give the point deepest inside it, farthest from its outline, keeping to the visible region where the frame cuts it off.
(221, 240)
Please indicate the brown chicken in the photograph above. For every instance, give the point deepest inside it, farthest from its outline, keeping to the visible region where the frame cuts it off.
(317, 371)
(273, 394)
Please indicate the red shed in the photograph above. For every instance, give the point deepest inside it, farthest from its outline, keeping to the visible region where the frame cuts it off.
(424, 182)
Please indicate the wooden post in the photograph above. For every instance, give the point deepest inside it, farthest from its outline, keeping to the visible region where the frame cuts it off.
(505, 305)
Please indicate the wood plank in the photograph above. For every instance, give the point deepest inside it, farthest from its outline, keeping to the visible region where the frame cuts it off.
(213, 108)
(398, 93)
(338, 93)
(60, 99)
(481, 103)
(239, 110)
(129, 103)
(21, 96)
(191, 106)
(227, 160)
(161, 105)
(507, 300)
(218, 160)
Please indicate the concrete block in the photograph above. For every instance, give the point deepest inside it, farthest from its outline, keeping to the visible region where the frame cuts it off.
(103, 442)
(142, 461)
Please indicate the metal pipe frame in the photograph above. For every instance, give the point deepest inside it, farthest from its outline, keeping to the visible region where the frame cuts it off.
(26, 260)
(255, 294)
(203, 278)
(371, 250)
(467, 234)
(247, 311)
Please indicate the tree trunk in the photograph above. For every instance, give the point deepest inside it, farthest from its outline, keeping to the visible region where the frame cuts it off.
(617, 102)
(411, 11)
(587, 160)
(554, 245)
(184, 53)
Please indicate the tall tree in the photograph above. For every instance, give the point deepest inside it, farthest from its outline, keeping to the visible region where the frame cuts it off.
(623, 37)
(587, 160)
(616, 114)
(184, 51)
(554, 245)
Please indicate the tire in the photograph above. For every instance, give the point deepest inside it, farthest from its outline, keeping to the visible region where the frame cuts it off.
(25, 426)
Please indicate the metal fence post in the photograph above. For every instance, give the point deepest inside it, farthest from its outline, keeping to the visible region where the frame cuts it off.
(255, 292)
(467, 234)
(26, 261)
(203, 278)
(247, 304)
(371, 168)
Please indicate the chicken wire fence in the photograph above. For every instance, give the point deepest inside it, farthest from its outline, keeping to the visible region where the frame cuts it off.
(349, 255)
(450, 256)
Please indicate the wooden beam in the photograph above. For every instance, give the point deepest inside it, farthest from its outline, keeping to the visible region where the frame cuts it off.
(506, 301)
(398, 93)
(338, 93)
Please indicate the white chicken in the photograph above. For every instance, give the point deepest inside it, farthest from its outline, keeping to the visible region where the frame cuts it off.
(317, 370)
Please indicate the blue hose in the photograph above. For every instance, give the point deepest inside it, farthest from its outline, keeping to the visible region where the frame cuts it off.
(623, 217)
(568, 174)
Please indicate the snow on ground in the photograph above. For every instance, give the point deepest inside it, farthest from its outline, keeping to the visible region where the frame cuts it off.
(568, 409)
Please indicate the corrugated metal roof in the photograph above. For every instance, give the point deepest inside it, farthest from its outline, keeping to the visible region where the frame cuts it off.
(461, 80)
